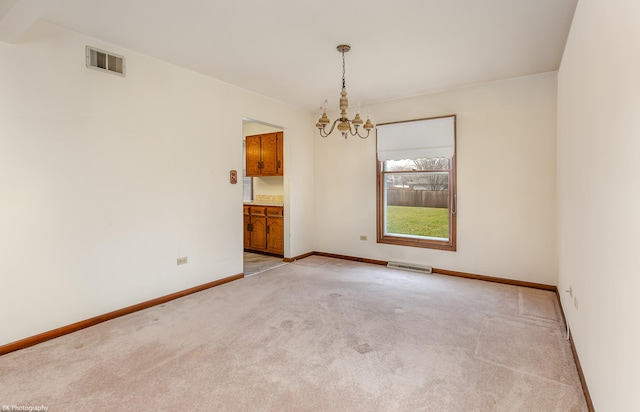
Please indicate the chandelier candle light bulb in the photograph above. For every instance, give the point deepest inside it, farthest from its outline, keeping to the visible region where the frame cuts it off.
(344, 124)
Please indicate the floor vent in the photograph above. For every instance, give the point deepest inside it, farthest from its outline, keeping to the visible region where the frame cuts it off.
(413, 267)
(105, 61)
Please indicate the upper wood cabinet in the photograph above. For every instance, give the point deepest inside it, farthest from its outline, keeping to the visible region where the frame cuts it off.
(265, 154)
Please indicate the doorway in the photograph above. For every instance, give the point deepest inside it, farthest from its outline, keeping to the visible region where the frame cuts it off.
(255, 263)
(263, 198)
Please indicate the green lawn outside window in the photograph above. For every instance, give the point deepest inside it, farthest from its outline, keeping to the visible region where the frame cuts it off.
(418, 221)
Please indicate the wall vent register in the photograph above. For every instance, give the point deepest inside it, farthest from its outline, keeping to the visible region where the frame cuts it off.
(105, 61)
(413, 267)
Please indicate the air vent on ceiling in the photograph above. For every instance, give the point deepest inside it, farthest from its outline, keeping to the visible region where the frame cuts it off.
(413, 267)
(105, 61)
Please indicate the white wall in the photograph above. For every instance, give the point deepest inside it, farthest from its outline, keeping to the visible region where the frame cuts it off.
(105, 180)
(506, 181)
(599, 196)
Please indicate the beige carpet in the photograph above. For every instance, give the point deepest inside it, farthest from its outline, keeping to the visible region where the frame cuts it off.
(319, 334)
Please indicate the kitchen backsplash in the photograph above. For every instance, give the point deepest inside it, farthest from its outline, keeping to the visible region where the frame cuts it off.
(269, 198)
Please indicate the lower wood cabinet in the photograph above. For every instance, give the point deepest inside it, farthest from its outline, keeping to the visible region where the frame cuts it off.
(275, 230)
(264, 229)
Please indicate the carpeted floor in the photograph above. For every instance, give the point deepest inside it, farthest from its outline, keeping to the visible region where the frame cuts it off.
(318, 334)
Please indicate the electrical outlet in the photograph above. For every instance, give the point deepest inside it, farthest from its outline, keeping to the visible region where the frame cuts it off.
(570, 291)
(182, 260)
(575, 302)
(363, 237)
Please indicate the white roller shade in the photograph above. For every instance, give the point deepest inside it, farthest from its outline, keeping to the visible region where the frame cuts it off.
(418, 139)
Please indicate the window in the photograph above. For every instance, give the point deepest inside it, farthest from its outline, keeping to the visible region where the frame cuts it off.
(417, 183)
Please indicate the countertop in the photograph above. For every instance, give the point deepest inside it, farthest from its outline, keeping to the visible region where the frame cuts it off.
(264, 203)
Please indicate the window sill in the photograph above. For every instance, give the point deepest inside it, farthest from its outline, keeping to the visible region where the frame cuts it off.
(449, 245)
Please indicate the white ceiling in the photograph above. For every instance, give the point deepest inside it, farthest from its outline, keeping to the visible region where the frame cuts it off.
(286, 49)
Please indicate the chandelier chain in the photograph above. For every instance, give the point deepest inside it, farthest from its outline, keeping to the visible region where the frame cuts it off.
(343, 70)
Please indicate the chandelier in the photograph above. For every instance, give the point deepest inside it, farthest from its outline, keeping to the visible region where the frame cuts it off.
(344, 124)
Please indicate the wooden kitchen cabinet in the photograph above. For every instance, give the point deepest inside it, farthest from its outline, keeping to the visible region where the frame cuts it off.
(275, 230)
(255, 227)
(247, 222)
(265, 154)
(264, 229)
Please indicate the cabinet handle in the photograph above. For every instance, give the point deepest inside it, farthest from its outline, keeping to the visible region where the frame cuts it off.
(268, 227)
(250, 227)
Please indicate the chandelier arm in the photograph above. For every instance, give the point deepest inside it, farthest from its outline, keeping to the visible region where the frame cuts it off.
(363, 137)
(333, 126)
(356, 132)
(351, 132)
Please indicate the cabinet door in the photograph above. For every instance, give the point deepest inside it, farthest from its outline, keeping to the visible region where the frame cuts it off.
(269, 152)
(247, 232)
(275, 235)
(280, 154)
(275, 230)
(259, 225)
(252, 149)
